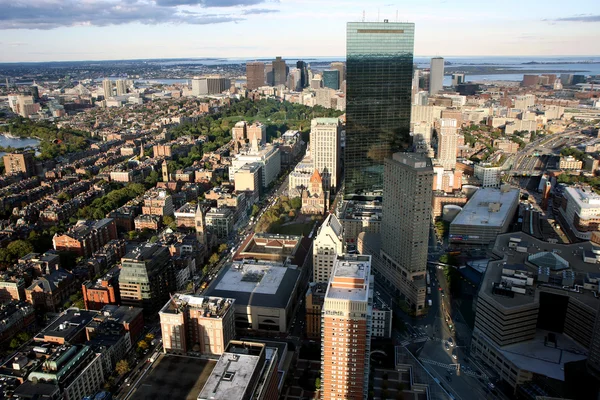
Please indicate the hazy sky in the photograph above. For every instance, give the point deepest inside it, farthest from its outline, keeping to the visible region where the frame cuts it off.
(44, 30)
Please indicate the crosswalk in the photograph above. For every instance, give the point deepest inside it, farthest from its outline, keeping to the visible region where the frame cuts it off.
(439, 364)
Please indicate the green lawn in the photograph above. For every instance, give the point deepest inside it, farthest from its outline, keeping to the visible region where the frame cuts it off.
(294, 229)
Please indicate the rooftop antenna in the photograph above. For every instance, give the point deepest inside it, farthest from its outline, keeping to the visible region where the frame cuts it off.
(363, 20)
(396, 15)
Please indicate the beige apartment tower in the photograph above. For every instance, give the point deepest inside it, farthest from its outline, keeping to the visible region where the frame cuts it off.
(197, 324)
(447, 143)
(325, 147)
(121, 87)
(346, 334)
(107, 87)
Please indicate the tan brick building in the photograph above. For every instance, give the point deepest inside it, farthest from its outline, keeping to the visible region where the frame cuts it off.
(197, 324)
(16, 163)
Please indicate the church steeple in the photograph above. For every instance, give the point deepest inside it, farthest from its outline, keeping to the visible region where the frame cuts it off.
(255, 143)
(165, 171)
(200, 225)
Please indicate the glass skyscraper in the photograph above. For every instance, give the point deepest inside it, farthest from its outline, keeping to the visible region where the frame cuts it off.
(331, 79)
(379, 65)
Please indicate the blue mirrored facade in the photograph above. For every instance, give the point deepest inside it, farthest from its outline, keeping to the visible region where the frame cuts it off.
(379, 64)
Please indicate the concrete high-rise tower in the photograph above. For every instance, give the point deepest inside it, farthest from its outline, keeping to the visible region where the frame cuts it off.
(121, 87)
(447, 143)
(255, 75)
(407, 195)
(325, 142)
(346, 335)
(107, 86)
(436, 75)
(303, 67)
(378, 99)
(280, 71)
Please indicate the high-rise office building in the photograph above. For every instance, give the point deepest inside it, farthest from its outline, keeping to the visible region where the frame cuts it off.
(255, 75)
(280, 71)
(303, 67)
(415, 85)
(199, 86)
(269, 76)
(458, 79)
(341, 69)
(325, 147)
(107, 86)
(407, 195)
(378, 75)
(436, 75)
(294, 77)
(35, 92)
(447, 143)
(346, 334)
(121, 87)
(331, 79)
(217, 84)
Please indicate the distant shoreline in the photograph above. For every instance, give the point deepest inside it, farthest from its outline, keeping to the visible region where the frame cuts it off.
(502, 70)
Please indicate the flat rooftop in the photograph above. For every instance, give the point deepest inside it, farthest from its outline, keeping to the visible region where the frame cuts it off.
(350, 278)
(537, 357)
(361, 210)
(275, 247)
(572, 253)
(265, 284)
(67, 324)
(488, 206)
(585, 198)
(230, 378)
(213, 307)
(417, 161)
(143, 252)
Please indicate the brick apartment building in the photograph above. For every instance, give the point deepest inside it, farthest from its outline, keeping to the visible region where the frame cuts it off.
(86, 237)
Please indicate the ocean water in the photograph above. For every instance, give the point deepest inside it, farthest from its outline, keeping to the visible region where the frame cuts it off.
(584, 65)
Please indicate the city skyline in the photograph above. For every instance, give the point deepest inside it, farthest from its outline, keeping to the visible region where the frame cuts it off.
(37, 30)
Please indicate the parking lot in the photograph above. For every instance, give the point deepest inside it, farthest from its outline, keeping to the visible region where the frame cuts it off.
(174, 377)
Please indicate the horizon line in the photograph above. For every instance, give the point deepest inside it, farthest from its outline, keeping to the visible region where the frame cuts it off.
(289, 57)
